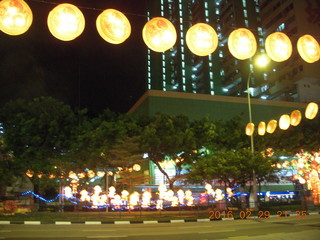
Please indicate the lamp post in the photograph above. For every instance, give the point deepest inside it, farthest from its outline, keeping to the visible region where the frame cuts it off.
(253, 194)
(262, 61)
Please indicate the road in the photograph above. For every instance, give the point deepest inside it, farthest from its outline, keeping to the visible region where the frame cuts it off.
(292, 228)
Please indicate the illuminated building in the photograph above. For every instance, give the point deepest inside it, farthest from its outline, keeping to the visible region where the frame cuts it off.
(220, 73)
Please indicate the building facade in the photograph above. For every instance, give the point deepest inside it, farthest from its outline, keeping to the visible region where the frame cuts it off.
(222, 74)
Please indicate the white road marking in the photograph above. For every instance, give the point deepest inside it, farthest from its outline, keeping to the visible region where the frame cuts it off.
(97, 230)
(115, 236)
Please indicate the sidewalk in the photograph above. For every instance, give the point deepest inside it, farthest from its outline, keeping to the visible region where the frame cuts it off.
(67, 218)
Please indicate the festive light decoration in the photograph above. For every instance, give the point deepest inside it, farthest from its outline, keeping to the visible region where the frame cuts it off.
(250, 129)
(181, 196)
(136, 167)
(113, 26)
(146, 196)
(68, 192)
(29, 173)
(91, 173)
(308, 169)
(15, 17)
(295, 117)
(311, 110)
(308, 48)
(159, 34)
(262, 128)
(242, 43)
(271, 126)
(100, 174)
(66, 22)
(202, 39)
(284, 122)
(278, 46)
(189, 197)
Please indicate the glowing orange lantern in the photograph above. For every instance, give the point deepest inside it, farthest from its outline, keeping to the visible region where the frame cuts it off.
(311, 110)
(113, 26)
(242, 43)
(202, 39)
(295, 117)
(66, 22)
(159, 34)
(29, 173)
(136, 167)
(308, 48)
(250, 129)
(262, 128)
(100, 174)
(284, 122)
(91, 173)
(272, 125)
(15, 17)
(278, 46)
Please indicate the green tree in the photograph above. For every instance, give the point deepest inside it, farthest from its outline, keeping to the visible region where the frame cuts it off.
(174, 137)
(38, 132)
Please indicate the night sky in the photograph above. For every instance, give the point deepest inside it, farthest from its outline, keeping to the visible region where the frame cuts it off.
(87, 72)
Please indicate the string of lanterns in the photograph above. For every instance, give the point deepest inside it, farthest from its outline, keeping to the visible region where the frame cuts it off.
(285, 121)
(66, 22)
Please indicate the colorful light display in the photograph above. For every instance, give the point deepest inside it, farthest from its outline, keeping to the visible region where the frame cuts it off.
(307, 166)
(202, 39)
(15, 17)
(113, 26)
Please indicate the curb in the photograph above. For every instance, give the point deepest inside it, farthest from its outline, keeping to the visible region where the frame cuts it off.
(142, 222)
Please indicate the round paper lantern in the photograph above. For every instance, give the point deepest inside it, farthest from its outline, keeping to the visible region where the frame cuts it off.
(249, 129)
(15, 17)
(29, 173)
(66, 22)
(278, 46)
(202, 39)
(295, 117)
(311, 110)
(272, 125)
(262, 128)
(284, 122)
(242, 43)
(136, 167)
(159, 34)
(113, 26)
(308, 48)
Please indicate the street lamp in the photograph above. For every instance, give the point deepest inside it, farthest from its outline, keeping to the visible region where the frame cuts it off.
(262, 61)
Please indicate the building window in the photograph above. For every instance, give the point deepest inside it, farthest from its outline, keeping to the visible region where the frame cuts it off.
(244, 3)
(246, 23)
(245, 13)
(281, 27)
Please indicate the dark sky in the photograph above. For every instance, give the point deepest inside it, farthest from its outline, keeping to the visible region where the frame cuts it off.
(87, 72)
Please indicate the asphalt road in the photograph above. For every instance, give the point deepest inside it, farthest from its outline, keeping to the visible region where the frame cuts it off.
(292, 228)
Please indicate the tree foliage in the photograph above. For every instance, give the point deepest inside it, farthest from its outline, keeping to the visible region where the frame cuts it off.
(38, 132)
